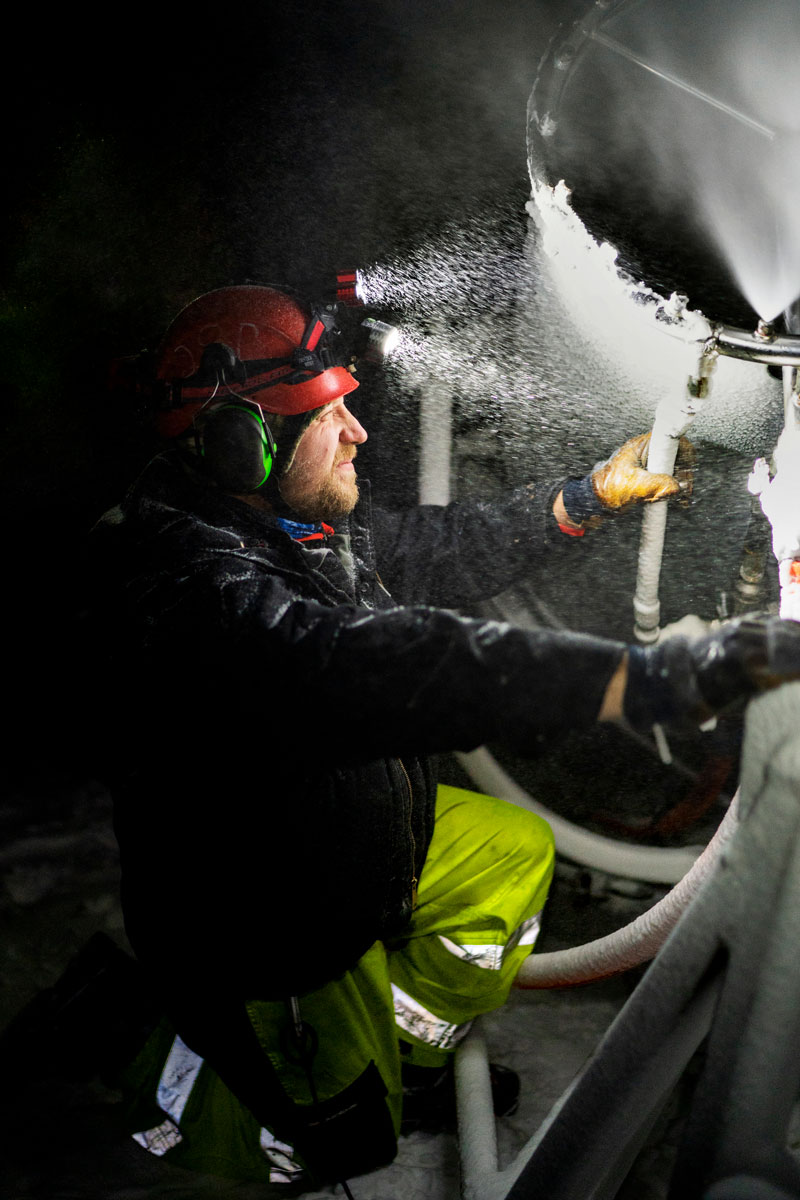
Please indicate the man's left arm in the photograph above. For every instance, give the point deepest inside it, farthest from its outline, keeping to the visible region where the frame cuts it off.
(450, 555)
(454, 554)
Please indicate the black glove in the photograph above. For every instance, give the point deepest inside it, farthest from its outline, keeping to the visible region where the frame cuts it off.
(693, 680)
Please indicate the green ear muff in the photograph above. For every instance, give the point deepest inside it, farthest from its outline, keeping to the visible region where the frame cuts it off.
(237, 447)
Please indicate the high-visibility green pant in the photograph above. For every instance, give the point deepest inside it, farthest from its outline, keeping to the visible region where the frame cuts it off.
(480, 898)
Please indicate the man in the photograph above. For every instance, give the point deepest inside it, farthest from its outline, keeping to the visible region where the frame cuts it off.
(320, 923)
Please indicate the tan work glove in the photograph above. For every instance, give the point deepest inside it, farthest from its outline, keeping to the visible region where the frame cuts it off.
(623, 479)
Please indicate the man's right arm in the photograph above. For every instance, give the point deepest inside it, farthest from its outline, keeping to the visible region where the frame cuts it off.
(684, 679)
(425, 680)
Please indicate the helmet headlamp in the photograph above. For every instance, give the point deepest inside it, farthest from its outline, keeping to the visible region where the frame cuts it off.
(375, 339)
(260, 343)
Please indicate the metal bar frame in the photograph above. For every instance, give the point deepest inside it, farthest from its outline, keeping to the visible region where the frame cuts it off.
(728, 974)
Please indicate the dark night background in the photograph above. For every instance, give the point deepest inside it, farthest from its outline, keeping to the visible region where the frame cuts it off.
(173, 151)
(153, 153)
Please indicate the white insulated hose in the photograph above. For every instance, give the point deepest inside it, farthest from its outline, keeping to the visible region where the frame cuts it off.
(635, 943)
(650, 864)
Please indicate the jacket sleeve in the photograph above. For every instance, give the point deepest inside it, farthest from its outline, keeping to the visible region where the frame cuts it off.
(461, 552)
(402, 680)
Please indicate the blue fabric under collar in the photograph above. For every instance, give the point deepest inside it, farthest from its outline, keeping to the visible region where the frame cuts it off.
(302, 532)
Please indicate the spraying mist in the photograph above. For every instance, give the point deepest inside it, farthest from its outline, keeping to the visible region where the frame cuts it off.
(741, 159)
(684, 164)
(679, 130)
(550, 340)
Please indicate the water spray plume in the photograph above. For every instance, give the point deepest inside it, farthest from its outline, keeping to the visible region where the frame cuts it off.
(455, 300)
(559, 336)
(611, 44)
(745, 172)
(701, 113)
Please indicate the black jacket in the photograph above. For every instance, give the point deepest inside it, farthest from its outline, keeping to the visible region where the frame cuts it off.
(272, 716)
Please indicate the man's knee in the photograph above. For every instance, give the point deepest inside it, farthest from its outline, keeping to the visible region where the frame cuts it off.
(535, 836)
(525, 839)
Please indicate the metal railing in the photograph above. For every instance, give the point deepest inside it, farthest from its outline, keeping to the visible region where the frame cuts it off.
(729, 973)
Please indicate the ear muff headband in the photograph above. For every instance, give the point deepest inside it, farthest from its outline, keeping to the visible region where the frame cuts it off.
(236, 446)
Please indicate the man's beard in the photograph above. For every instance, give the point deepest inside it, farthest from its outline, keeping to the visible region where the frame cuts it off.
(336, 497)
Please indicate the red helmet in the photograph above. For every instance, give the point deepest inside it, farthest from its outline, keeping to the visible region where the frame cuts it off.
(251, 341)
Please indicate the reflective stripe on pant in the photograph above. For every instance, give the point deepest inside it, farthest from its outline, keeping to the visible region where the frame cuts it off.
(482, 888)
(481, 895)
(179, 1106)
(180, 1109)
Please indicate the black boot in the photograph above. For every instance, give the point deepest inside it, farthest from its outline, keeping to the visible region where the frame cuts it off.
(429, 1096)
(92, 1021)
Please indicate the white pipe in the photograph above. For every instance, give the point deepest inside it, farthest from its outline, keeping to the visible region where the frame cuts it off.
(672, 419)
(481, 1177)
(651, 864)
(477, 1143)
(646, 604)
(436, 442)
(637, 942)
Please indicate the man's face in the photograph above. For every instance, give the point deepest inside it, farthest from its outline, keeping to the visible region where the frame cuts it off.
(320, 485)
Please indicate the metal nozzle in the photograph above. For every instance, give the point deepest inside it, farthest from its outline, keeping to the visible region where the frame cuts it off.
(763, 345)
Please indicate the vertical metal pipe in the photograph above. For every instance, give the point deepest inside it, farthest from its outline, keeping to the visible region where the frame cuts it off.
(718, 947)
(436, 439)
(671, 422)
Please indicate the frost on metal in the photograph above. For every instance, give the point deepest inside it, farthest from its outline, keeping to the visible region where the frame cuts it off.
(646, 345)
(572, 248)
